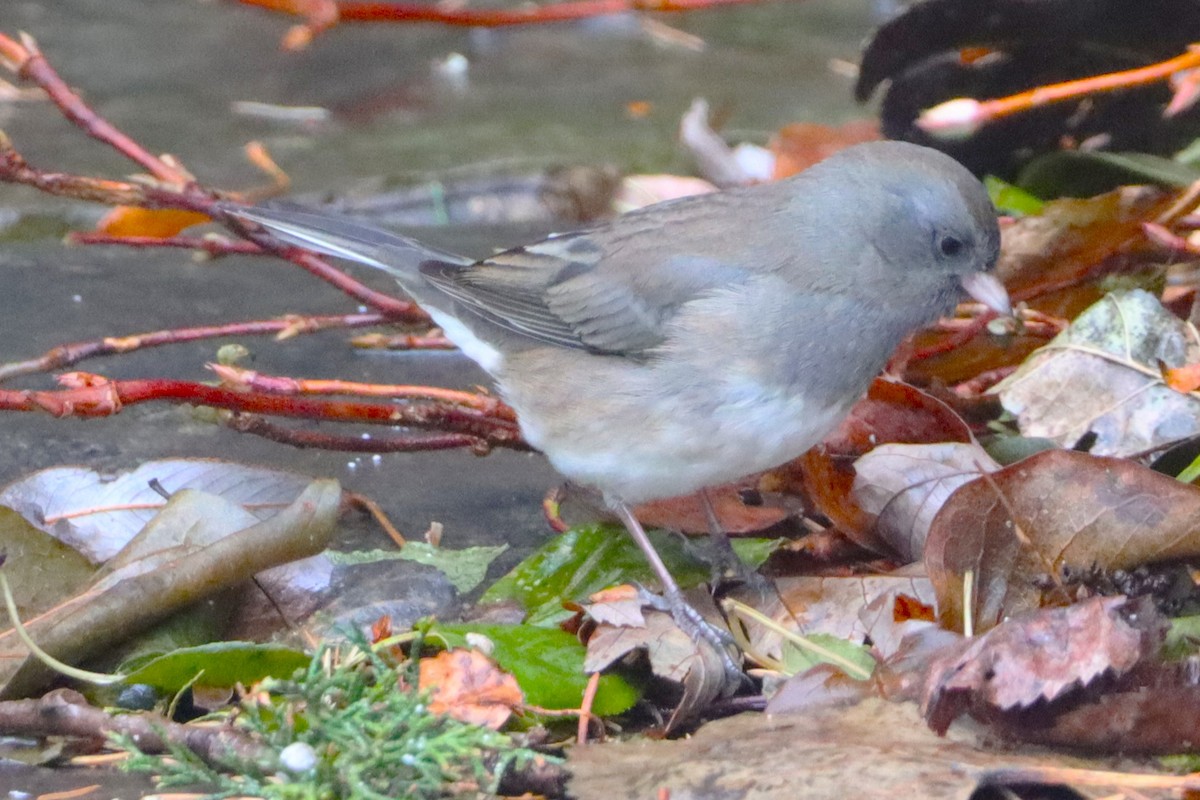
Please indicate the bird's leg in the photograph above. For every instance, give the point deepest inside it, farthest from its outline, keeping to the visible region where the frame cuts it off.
(685, 615)
(727, 567)
(725, 562)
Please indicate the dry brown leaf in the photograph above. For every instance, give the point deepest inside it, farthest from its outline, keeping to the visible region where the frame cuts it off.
(1103, 375)
(686, 514)
(905, 485)
(1040, 656)
(823, 686)
(618, 606)
(146, 590)
(1056, 259)
(891, 412)
(1159, 719)
(467, 685)
(847, 608)
(674, 655)
(1071, 510)
(891, 617)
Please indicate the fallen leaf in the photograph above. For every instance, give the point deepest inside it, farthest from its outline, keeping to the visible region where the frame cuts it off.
(467, 686)
(1055, 260)
(799, 145)
(158, 223)
(618, 606)
(1017, 530)
(586, 559)
(905, 485)
(674, 655)
(832, 606)
(687, 515)
(41, 570)
(1041, 655)
(1154, 718)
(1102, 375)
(891, 412)
(547, 663)
(823, 686)
(98, 513)
(142, 591)
(223, 664)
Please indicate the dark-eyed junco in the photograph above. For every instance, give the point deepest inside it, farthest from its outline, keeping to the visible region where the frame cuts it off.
(703, 339)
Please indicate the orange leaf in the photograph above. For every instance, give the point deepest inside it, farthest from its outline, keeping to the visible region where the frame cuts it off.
(161, 223)
(466, 685)
(1183, 379)
(801, 144)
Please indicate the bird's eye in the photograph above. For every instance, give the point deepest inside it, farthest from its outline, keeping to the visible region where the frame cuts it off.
(950, 246)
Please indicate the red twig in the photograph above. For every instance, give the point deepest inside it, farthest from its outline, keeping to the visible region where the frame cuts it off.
(461, 419)
(68, 354)
(403, 341)
(256, 425)
(964, 116)
(27, 61)
(1172, 243)
(957, 336)
(209, 245)
(244, 379)
(14, 169)
(88, 395)
(983, 381)
(322, 14)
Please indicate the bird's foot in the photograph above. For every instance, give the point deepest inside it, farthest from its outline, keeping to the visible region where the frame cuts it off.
(698, 628)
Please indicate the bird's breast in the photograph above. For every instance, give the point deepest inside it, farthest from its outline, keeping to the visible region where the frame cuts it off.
(640, 432)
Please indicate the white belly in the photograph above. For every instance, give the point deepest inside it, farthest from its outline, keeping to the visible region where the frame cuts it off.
(670, 453)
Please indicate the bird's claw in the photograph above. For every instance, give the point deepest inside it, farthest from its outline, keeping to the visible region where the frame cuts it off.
(698, 628)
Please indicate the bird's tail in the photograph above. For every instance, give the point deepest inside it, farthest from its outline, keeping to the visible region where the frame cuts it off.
(343, 237)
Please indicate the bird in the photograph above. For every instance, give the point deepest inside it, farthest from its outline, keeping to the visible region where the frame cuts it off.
(702, 339)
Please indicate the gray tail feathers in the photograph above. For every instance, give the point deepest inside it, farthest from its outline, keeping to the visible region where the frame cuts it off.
(343, 237)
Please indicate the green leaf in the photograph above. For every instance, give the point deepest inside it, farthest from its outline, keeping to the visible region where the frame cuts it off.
(465, 568)
(1190, 472)
(1078, 173)
(222, 664)
(584, 560)
(797, 659)
(1010, 449)
(1010, 199)
(41, 569)
(1183, 638)
(755, 552)
(547, 663)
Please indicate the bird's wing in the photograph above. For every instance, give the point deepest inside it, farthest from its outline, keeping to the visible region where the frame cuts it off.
(588, 290)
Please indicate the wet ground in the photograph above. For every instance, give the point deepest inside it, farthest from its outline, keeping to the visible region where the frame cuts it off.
(168, 74)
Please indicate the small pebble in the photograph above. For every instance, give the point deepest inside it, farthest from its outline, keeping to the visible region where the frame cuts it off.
(298, 758)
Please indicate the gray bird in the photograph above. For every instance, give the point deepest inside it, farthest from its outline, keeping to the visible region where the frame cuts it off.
(699, 340)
